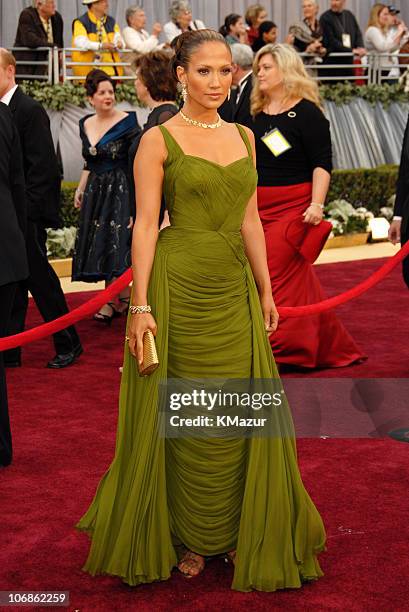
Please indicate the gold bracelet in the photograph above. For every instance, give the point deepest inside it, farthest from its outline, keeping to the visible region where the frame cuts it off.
(316, 204)
(140, 309)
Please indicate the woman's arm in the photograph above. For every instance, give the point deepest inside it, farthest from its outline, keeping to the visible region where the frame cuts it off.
(320, 184)
(255, 246)
(380, 42)
(316, 141)
(79, 192)
(148, 174)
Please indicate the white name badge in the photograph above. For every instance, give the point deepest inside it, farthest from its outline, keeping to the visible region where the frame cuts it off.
(346, 41)
(276, 142)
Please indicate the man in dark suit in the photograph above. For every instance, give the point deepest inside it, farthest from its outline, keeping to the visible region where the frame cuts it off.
(13, 258)
(237, 109)
(43, 185)
(39, 26)
(399, 229)
(341, 34)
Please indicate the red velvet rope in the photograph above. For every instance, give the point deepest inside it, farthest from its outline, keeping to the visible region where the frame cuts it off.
(37, 333)
(312, 309)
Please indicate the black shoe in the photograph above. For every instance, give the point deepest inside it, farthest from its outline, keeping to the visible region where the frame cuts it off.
(66, 359)
(107, 319)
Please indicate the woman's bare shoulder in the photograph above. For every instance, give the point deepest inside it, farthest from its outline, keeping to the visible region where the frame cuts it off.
(248, 131)
(153, 144)
(249, 134)
(153, 137)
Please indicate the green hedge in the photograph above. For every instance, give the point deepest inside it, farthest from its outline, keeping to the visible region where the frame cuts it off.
(342, 93)
(371, 188)
(69, 214)
(55, 97)
(368, 187)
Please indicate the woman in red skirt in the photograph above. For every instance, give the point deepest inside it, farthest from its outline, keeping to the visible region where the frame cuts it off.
(294, 163)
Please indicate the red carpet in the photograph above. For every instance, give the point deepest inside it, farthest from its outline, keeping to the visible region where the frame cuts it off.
(64, 434)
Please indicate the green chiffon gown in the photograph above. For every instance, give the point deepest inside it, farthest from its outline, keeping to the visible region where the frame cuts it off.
(213, 495)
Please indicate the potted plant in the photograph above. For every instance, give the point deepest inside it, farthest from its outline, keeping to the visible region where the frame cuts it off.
(60, 246)
(349, 224)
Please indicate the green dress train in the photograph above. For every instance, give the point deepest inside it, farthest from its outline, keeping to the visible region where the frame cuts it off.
(213, 495)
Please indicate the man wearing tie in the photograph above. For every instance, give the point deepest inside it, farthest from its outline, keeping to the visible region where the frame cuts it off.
(237, 109)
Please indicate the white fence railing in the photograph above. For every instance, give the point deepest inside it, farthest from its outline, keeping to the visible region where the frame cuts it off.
(59, 66)
(67, 65)
(39, 69)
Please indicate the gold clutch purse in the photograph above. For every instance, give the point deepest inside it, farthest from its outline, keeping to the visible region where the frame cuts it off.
(150, 356)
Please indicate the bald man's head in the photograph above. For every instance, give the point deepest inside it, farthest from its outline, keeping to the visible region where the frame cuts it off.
(7, 71)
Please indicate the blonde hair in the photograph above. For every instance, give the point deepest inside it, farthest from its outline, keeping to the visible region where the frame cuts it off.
(252, 12)
(296, 81)
(7, 58)
(374, 16)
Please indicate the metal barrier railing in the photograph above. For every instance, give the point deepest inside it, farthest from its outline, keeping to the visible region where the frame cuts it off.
(382, 67)
(68, 65)
(344, 70)
(49, 63)
(374, 67)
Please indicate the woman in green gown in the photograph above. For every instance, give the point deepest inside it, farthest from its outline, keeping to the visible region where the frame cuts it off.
(206, 280)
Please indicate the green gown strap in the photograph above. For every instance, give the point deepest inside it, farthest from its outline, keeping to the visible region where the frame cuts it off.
(174, 150)
(246, 139)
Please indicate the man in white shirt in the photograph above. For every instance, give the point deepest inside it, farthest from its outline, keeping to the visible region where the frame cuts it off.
(135, 36)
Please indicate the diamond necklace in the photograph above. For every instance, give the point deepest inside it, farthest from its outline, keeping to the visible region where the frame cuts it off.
(211, 126)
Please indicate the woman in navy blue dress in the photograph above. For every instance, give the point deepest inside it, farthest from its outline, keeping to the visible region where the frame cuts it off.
(102, 250)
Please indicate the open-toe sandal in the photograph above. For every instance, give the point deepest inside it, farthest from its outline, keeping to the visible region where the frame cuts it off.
(194, 562)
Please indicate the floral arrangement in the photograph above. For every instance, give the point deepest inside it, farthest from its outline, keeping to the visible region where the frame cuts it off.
(60, 242)
(346, 219)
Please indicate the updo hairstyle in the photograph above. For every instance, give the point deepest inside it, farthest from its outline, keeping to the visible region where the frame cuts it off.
(188, 42)
(94, 78)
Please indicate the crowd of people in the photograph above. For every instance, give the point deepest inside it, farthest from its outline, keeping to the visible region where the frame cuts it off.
(97, 38)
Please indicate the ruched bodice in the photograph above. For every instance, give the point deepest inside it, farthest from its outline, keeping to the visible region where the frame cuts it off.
(210, 495)
(206, 201)
(205, 195)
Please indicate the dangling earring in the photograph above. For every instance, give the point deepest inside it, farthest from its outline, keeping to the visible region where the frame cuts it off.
(184, 92)
(229, 95)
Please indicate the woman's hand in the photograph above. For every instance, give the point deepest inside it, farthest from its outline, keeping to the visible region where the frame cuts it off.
(138, 325)
(394, 231)
(270, 313)
(313, 47)
(313, 214)
(79, 194)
